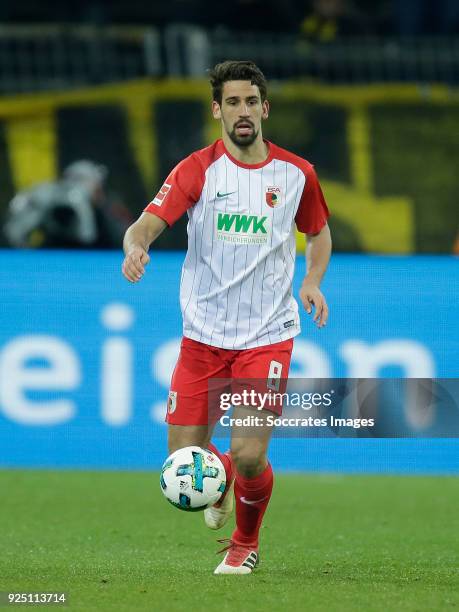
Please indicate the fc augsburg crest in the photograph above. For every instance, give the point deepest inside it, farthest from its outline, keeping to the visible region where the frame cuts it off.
(273, 196)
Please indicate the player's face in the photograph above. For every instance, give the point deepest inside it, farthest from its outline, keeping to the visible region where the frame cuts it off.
(241, 111)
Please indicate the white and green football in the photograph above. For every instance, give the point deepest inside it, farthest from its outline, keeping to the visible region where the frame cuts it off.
(193, 478)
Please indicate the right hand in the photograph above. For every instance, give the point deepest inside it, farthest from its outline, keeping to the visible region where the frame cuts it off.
(134, 264)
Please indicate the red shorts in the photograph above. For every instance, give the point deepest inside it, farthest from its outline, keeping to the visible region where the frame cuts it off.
(198, 363)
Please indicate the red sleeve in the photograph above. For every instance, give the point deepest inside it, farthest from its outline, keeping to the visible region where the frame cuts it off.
(312, 211)
(180, 191)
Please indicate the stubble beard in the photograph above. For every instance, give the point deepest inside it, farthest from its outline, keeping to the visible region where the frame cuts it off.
(243, 141)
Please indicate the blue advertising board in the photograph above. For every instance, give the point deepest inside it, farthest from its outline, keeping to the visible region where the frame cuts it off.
(86, 357)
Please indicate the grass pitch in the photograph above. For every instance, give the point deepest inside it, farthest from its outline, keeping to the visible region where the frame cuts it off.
(329, 543)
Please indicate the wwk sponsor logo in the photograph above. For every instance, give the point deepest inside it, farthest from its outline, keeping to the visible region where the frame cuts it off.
(242, 229)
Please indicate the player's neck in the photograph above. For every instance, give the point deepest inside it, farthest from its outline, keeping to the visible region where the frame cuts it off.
(256, 153)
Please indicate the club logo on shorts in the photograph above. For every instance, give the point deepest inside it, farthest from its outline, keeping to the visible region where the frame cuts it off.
(172, 402)
(162, 193)
(273, 196)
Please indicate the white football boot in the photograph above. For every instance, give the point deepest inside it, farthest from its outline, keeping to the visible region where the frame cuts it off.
(238, 560)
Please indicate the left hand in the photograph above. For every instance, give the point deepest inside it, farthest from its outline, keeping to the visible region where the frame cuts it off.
(311, 295)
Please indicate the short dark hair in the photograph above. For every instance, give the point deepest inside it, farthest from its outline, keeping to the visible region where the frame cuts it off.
(236, 71)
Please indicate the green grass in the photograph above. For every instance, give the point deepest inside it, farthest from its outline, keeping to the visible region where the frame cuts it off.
(344, 543)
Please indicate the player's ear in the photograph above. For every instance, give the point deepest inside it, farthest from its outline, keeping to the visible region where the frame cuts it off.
(265, 107)
(216, 111)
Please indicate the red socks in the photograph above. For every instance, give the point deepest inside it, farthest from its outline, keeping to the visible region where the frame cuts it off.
(252, 499)
(227, 464)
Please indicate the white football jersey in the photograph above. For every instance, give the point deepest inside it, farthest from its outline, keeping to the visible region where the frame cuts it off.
(236, 284)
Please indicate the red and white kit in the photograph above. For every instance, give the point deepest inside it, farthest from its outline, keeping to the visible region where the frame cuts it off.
(236, 285)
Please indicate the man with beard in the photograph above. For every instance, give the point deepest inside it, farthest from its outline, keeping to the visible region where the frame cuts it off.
(244, 196)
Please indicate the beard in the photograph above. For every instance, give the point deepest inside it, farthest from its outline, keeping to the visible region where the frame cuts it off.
(243, 140)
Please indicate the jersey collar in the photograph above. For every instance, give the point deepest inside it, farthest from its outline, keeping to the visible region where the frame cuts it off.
(250, 166)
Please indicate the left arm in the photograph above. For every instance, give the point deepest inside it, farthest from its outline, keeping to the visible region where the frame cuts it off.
(318, 252)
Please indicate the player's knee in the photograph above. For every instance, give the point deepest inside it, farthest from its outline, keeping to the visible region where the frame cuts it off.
(249, 461)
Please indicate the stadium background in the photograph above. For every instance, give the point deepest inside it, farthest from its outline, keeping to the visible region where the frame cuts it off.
(369, 97)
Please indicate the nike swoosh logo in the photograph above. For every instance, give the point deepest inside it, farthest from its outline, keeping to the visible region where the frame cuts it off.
(223, 195)
(252, 502)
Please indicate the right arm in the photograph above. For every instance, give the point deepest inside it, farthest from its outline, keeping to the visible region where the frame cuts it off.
(180, 191)
(137, 240)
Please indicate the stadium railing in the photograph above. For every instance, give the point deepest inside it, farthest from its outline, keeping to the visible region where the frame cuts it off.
(47, 57)
(55, 57)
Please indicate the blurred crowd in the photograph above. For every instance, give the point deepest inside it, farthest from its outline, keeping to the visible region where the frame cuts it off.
(323, 19)
(76, 211)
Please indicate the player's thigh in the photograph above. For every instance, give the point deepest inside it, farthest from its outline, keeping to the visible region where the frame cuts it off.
(260, 371)
(188, 412)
